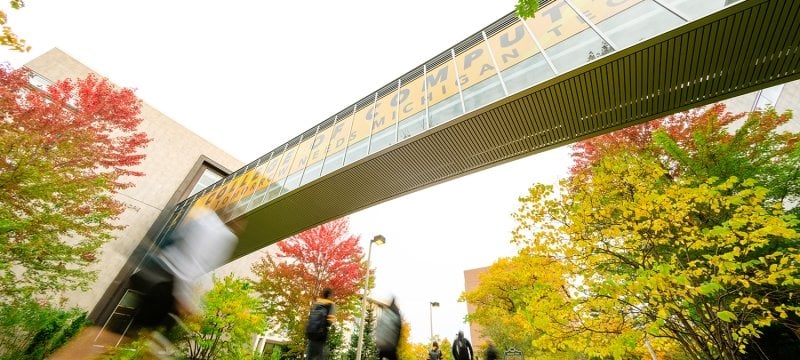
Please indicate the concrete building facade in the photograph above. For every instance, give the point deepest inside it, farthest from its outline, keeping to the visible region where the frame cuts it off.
(178, 163)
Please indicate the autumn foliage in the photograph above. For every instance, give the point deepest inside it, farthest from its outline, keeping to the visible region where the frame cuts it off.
(290, 281)
(64, 152)
(675, 238)
(7, 36)
(225, 327)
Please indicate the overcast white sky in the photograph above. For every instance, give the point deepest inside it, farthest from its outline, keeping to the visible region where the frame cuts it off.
(251, 75)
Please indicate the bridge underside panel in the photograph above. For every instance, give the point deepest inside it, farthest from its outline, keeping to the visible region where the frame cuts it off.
(749, 46)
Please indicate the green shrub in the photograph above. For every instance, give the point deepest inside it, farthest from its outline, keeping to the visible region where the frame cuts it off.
(32, 331)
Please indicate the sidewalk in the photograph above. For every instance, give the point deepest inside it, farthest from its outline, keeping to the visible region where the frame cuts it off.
(83, 346)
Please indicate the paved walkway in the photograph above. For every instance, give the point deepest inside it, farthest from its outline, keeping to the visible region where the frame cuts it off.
(83, 346)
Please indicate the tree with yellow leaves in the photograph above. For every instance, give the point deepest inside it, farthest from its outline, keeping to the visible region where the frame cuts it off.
(511, 297)
(688, 239)
(8, 38)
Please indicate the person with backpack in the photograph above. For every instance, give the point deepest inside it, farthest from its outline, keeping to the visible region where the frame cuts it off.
(165, 284)
(320, 319)
(491, 351)
(462, 349)
(435, 353)
(387, 331)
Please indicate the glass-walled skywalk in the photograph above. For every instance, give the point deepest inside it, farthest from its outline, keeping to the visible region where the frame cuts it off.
(505, 58)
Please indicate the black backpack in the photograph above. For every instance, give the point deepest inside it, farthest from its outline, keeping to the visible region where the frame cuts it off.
(387, 329)
(461, 348)
(435, 354)
(317, 325)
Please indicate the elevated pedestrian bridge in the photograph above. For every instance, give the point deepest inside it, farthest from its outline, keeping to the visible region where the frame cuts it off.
(579, 69)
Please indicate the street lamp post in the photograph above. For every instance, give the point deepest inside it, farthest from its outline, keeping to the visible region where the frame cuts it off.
(380, 240)
(433, 305)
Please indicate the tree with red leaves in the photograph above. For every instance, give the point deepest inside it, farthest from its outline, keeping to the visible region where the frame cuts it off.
(64, 153)
(707, 142)
(679, 127)
(291, 280)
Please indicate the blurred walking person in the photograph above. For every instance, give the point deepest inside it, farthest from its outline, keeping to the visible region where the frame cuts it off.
(166, 284)
(319, 321)
(387, 331)
(435, 353)
(462, 349)
(491, 351)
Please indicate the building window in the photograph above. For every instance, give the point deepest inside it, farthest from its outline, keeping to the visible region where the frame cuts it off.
(767, 97)
(208, 178)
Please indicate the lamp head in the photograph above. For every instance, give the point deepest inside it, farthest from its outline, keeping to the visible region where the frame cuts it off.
(435, 303)
(379, 239)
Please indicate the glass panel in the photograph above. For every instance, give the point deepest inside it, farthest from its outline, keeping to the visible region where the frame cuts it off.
(384, 119)
(512, 45)
(281, 170)
(529, 72)
(118, 321)
(274, 190)
(566, 38)
(518, 58)
(311, 173)
(444, 102)
(285, 164)
(129, 300)
(412, 126)
(228, 194)
(267, 173)
(410, 100)
(246, 184)
(356, 151)
(240, 207)
(362, 124)
(339, 138)
(483, 93)
(39, 81)
(271, 168)
(359, 134)
(333, 162)
(208, 178)
(292, 182)
(696, 9)
(768, 97)
(258, 199)
(382, 139)
(319, 146)
(636, 23)
(334, 156)
(301, 157)
(479, 82)
(446, 110)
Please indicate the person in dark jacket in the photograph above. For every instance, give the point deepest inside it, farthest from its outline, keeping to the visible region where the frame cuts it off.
(491, 351)
(316, 342)
(387, 331)
(462, 349)
(435, 353)
(165, 284)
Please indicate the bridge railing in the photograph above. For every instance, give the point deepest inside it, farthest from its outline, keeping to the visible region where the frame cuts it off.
(505, 57)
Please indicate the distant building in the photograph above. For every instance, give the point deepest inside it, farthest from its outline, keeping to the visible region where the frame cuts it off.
(471, 281)
(178, 164)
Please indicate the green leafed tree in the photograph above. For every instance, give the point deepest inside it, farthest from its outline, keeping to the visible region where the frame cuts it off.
(527, 8)
(224, 329)
(368, 350)
(64, 152)
(684, 238)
